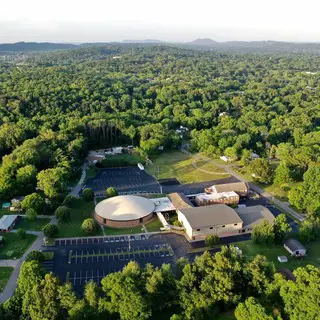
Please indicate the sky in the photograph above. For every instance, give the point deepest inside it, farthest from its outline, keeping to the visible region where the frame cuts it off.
(167, 20)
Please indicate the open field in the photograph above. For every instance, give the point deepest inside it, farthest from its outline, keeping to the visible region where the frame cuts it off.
(176, 164)
(35, 225)
(14, 247)
(5, 273)
(80, 210)
(272, 252)
(91, 172)
(6, 212)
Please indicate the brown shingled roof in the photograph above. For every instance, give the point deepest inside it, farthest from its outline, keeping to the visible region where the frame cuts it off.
(179, 200)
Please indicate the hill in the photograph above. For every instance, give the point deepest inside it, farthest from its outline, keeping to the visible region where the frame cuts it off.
(34, 46)
(203, 42)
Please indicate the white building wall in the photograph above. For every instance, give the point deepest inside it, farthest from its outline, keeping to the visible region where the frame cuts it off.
(204, 232)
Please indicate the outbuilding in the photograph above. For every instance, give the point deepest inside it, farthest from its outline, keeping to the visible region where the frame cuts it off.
(295, 248)
(241, 188)
(7, 222)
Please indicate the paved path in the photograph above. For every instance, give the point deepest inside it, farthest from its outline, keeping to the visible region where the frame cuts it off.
(9, 263)
(76, 189)
(254, 187)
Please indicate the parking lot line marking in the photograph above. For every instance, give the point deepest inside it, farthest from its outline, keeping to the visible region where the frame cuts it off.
(74, 278)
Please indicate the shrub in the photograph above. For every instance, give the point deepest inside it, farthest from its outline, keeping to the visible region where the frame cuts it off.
(50, 230)
(68, 201)
(35, 255)
(177, 223)
(88, 226)
(111, 192)
(212, 240)
(21, 233)
(87, 194)
(31, 214)
(62, 213)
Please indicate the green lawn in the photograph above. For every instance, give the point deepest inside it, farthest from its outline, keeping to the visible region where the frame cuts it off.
(5, 273)
(91, 172)
(119, 231)
(14, 247)
(80, 210)
(272, 252)
(35, 225)
(176, 164)
(154, 225)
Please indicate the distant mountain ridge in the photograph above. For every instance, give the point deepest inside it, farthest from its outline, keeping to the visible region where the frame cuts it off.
(203, 42)
(35, 46)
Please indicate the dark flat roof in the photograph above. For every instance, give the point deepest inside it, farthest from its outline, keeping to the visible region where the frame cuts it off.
(254, 215)
(207, 216)
(294, 245)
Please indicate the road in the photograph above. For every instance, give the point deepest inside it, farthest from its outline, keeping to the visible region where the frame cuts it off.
(254, 187)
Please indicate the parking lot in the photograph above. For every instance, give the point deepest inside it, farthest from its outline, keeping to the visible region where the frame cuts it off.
(126, 180)
(83, 259)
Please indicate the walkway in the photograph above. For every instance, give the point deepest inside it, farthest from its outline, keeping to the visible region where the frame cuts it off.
(254, 187)
(76, 189)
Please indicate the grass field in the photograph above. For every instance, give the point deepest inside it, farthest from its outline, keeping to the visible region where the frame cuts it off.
(80, 210)
(5, 273)
(176, 164)
(35, 225)
(6, 212)
(91, 172)
(119, 231)
(14, 247)
(272, 252)
(154, 225)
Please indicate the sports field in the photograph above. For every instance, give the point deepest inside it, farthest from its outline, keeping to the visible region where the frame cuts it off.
(186, 169)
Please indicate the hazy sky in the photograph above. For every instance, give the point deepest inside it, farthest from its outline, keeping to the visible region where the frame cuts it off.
(172, 20)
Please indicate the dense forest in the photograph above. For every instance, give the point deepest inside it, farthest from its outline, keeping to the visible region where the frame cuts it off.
(56, 105)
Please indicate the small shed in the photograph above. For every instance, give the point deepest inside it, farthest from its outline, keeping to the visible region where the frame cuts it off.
(6, 205)
(295, 248)
(282, 259)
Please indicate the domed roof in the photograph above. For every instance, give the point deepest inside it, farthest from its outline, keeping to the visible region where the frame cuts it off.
(123, 208)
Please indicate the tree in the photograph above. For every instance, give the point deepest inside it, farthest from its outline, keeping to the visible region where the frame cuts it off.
(251, 309)
(302, 297)
(41, 302)
(263, 233)
(212, 240)
(52, 181)
(111, 192)
(91, 293)
(246, 157)
(281, 227)
(50, 230)
(89, 225)
(282, 174)
(35, 255)
(30, 274)
(87, 194)
(31, 214)
(21, 233)
(125, 293)
(33, 201)
(26, 178)
(306, 197)
(62, 213)
(69, 200)
(261, 170)
(260, 275)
